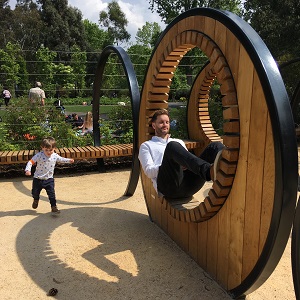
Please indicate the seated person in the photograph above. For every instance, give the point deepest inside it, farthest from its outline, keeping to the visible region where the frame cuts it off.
(88, 123)
(77, 122)
(175, 172)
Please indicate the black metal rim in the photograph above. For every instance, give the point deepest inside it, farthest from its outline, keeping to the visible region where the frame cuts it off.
(135, 105)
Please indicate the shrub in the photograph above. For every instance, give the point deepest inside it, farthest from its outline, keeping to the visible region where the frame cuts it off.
(26, 124)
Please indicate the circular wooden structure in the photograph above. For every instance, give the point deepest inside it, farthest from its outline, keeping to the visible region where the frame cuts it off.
(239, 232)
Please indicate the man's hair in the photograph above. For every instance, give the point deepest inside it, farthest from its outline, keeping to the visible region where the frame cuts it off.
(157, 113)
(37, 84)
(48, 142)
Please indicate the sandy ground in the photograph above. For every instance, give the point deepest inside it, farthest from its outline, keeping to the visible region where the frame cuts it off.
(102, 246)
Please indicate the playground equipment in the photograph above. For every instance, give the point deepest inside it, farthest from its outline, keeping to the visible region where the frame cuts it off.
(239, 232)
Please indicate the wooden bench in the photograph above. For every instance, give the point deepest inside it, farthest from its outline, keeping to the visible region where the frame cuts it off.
(77, 153)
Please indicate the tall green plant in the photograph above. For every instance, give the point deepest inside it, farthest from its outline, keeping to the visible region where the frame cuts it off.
(9, 67)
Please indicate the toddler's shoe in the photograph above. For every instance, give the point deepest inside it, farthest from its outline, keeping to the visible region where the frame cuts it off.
(35, 204)
(55, 210)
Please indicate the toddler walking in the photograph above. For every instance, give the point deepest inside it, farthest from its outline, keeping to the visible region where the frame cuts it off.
(43, 176)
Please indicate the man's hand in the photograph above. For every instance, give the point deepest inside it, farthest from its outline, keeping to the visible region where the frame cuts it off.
(27, 173)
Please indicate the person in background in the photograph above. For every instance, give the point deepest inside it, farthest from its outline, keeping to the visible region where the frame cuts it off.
(87, 123)
(77, 122)
(6, 96)
(36, 94)
(45, 161)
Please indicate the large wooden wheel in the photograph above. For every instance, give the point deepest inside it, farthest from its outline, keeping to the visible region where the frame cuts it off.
(238, 233)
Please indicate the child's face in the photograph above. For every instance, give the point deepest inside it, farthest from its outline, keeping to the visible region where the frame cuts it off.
(48, 151)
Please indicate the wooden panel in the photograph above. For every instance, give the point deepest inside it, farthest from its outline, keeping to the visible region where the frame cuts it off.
(223, 243)
(193, 240)
(212, 245)
(202, 244)
(268, 185)
(181, 234)
(255, 175)
(237, 220)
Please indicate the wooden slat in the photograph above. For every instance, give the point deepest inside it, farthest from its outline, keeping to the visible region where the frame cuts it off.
(61, 152)
(9, 156)
(20, 156)
(91, 150)
(15, 156)
(3, 156)
(67, 152)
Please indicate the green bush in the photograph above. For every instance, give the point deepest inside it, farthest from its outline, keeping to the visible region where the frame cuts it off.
(26, 124)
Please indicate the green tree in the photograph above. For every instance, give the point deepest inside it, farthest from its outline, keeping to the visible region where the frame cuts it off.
(139, 56)
(96, 41)
(115, 21)
(277, 23)
(44, 68)
(27, 26)
(6, 33)
(96, 37)
(168, 10)
(145, 34)
(78, 63)
(9, 66)
(63, 26)
(63, 77)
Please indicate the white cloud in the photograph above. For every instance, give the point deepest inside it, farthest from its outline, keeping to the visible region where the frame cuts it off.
(90, 8)
(137, 12)
(137, 15)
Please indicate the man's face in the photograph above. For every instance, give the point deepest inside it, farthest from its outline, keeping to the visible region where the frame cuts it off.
(161, 126)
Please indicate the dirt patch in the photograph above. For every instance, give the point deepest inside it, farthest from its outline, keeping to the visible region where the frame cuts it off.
(102, 246)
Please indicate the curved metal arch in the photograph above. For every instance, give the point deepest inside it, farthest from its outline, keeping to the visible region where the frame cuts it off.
(135, 104)
(285, 147)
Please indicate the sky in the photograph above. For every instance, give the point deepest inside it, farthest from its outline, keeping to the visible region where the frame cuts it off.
(137, 12)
